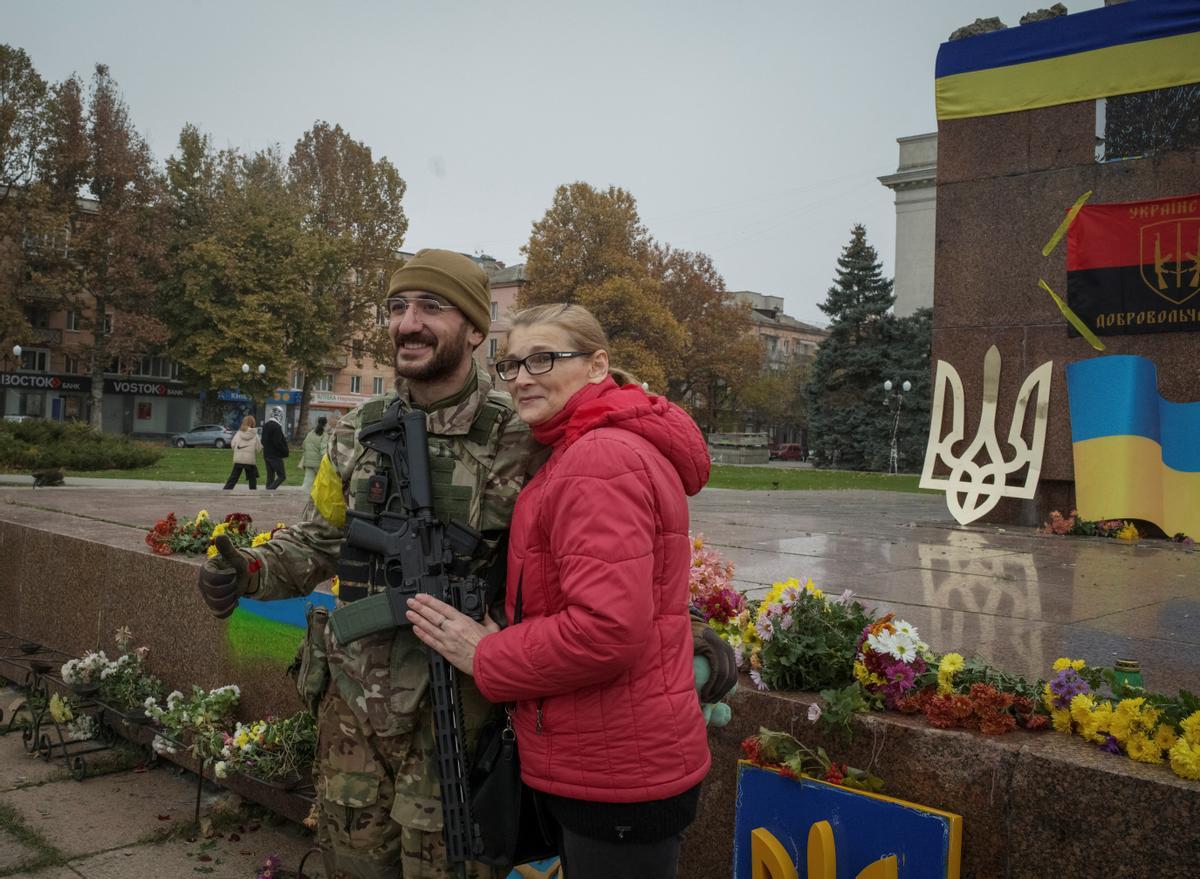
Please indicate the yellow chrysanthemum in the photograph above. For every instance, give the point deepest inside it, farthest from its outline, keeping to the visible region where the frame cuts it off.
(1082, 706)
(201, 516)
(865, 677)
(698, 542)
(1061, 718)
(220, 528)
(1191, 728)
(1185, 758)
(212, 551)
(1131, 718)
(335, 586)
(1165, 736)
(279, 525)
(60, 709)
(1139, 747)
(1088, 718)
(260, 538)
(1048, 697)
(1128, 532)
(812, 589)
(948, 667)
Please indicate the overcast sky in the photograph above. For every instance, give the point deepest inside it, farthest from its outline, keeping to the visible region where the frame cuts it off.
(751, 131)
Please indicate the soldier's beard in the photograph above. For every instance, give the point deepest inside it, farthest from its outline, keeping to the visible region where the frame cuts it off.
(447, 357)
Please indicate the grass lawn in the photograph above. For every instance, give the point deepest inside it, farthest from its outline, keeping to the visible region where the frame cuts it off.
(213, 465)
(196, 465)
(787, 479)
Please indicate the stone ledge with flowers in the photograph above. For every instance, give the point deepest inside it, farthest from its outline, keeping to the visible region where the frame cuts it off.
(1029, 797)
(836, 676)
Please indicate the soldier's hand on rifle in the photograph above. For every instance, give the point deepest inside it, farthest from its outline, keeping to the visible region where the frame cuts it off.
(724, 672)
(449, 632)
(224, 578)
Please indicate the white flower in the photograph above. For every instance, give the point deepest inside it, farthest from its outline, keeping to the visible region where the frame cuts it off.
(149, 704)
(221, 769)
(787, 621)
(902, 648)
(906, 628)
(844, 598)
(764, 628)
(758, 681)
(814, 713)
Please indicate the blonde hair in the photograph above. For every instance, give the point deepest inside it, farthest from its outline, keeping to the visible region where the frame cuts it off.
(578, 323)
(247, 423)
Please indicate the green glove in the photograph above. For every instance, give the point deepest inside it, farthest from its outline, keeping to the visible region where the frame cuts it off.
(224, 578)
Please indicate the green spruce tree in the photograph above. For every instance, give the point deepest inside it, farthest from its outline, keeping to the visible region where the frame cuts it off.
(849, 422)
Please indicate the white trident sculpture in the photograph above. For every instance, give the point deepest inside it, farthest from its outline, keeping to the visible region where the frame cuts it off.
(974, 488)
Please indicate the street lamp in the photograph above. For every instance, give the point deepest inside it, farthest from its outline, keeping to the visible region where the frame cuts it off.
(895, 395)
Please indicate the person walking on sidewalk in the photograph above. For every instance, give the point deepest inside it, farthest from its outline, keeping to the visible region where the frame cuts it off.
(315, 444)
(275, 449)
(246, 445)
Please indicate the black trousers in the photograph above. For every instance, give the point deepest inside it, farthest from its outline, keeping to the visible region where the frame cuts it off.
(275, 472)
(251, 471)
(587, 858)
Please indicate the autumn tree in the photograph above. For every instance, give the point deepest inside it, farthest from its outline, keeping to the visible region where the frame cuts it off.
(721, 355)
(591, 249)
(109, 271)
(23, 95)
(351, 210)
(776, 400)
(241, 265)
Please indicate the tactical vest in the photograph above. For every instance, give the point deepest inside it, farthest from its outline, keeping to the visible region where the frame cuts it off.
(475, 451)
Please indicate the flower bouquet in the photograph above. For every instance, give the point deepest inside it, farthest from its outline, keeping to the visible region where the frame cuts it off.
(195, 536)
(889, 658)
(277, 752)
(710, 584)
(791, 758)
(126, 683)
(801, 639)
(198, 721)
(83, 675)
(1146, 727)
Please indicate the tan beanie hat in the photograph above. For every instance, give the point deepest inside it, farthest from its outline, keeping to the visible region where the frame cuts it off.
(457, 278)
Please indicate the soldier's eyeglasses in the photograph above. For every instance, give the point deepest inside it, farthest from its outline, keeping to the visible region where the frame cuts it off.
(535, 364)
(425, 307)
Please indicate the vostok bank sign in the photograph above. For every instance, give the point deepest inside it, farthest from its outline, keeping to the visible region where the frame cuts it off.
(43, 382)
(144, 389)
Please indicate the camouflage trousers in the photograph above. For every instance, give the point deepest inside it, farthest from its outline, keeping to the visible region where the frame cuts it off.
(380, 816)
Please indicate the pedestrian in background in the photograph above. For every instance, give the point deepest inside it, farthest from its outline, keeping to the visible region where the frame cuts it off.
(275, 449)
(246, 445)
(315, 444)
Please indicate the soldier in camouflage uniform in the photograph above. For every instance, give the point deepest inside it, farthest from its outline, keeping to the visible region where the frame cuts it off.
(379, 799)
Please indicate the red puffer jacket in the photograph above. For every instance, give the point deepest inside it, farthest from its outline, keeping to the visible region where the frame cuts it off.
(601, 663)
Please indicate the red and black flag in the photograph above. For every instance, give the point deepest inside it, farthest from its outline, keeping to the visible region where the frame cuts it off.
(1134, 267)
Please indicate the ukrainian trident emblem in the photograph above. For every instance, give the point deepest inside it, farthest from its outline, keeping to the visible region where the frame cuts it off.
(979, 475)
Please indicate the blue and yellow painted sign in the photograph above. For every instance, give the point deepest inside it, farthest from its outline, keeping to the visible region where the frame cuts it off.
(787, 828)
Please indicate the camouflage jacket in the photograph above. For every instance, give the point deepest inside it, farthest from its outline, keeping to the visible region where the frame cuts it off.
(384, 677)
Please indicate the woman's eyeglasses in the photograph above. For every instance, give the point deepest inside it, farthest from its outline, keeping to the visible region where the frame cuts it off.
(535, 364)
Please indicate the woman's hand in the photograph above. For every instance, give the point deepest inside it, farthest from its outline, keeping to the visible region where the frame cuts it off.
(452, 634)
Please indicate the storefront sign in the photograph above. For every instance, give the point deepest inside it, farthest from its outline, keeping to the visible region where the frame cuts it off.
(838, 832)
(328, 399)
(279, 395)
(45, 382)
(143, 388)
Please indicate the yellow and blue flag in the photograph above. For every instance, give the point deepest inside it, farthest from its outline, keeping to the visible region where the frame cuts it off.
(1137, 455)
(1116, 50)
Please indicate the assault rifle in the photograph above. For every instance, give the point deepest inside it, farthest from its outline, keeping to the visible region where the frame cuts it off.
(409, 551)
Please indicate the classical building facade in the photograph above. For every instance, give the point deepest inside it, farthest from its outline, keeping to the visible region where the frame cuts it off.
(915, 185)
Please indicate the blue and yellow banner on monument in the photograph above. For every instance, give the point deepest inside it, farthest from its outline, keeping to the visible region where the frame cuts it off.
(1137, 455)
(788, 827)
(1117, 50)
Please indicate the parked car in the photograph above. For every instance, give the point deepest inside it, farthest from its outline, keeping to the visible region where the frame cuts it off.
(215, 435)
(786, 452)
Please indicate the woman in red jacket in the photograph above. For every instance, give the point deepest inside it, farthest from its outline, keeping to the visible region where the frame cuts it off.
(600, 665)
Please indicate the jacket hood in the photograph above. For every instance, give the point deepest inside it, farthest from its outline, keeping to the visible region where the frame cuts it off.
(667, 427)
(247, 432)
